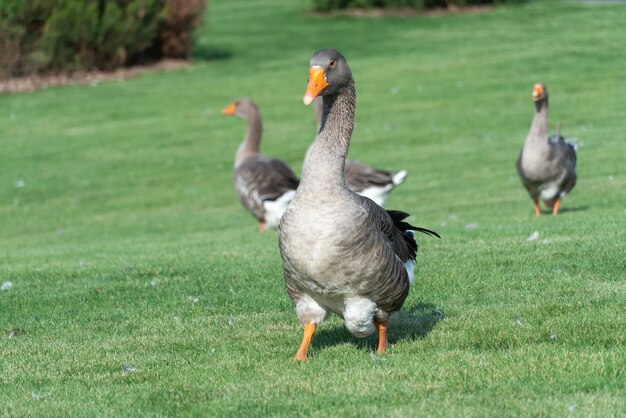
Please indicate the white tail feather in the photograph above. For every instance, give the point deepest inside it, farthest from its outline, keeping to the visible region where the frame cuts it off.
(409, 264)
(379, 194)
(399, 177)
(274, 209)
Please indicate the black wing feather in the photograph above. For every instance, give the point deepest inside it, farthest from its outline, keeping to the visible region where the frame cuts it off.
(398, 218)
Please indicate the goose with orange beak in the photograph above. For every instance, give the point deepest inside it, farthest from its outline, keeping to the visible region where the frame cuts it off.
(265, 186)
(342, 252)
(546, 165)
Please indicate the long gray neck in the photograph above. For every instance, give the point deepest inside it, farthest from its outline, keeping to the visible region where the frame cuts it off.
(539, 128)
(318, 106)
(323, 168)
(252, 140)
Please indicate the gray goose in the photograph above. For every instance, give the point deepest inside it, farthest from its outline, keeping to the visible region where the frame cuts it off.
(264, 185)
(546, 165)
(342, 252)
(362, 179)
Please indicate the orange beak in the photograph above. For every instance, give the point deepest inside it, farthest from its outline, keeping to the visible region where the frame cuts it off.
(537, 92)
(317, 83)
(230, 110)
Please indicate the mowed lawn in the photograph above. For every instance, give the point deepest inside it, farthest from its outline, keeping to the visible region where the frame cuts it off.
(139, 286)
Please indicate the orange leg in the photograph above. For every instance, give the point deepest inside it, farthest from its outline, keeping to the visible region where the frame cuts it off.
(261, 226)
(301, 355)
(382, 336)
(537, 209)
(555, 209)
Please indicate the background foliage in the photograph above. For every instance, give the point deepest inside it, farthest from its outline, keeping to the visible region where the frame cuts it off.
(327, 5)
(51, 35)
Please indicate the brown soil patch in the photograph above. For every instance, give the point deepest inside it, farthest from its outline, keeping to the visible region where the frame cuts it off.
(36, 82)
(404, 11)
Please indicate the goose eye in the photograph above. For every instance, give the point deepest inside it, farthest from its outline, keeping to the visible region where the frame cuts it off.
(331, 64)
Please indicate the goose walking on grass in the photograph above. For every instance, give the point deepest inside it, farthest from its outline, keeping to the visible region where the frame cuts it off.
(265, 186)
(342, 252)
(362, 179)
(546, 165)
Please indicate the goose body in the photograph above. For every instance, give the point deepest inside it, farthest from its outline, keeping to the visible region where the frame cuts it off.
(373, 183)
(342, 252)
(265, 186)
(546, 165)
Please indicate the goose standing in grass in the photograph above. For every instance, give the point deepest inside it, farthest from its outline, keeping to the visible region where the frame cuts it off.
(342, 252)
(265, 186)
(363, 179)
(546, 165)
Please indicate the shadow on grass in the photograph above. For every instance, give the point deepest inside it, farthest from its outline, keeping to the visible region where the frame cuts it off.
(574, 209)
(410, 323)
(209, 53)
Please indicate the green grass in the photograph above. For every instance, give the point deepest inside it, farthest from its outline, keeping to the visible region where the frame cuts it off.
(128, 183)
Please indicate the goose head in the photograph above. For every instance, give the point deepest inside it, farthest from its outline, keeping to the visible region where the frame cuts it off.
(540, 93)
(328, 74)
(242, 108)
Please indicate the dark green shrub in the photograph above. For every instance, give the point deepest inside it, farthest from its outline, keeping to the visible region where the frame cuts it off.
(327, 5)
(53, 35)
(21, 25)
(180, 17)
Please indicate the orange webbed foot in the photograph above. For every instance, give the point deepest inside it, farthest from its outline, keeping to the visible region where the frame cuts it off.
(555, 209)
(537, 208)
(382, 337)
(302, 354)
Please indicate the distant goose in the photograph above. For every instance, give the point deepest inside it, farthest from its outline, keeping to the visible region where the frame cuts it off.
(341, 252)
(362, 179)
(265, 186)
(547, 166)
